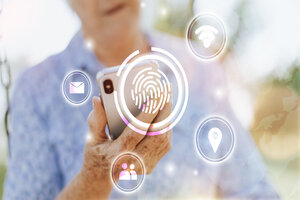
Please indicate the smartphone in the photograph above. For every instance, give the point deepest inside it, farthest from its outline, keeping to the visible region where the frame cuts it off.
(108, 83)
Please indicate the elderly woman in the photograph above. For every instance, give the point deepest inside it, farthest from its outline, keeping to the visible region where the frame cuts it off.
(50, 157)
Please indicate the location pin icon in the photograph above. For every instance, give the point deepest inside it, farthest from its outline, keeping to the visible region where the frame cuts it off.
(215, 137)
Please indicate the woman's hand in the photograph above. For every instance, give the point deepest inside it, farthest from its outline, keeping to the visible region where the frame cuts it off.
(100, 151)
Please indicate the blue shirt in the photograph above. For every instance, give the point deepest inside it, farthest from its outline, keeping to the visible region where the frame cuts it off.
(48, 134)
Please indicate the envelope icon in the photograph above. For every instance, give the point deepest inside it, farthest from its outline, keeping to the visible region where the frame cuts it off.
(77, 88)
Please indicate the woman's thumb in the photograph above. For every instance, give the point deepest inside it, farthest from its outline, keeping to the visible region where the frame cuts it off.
(97, 121)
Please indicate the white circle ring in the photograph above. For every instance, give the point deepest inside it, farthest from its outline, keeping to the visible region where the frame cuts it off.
(182, 95)
(232, 144)
(222, 26)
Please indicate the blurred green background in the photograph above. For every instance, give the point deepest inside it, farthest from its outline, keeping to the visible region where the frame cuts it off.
(2, 175)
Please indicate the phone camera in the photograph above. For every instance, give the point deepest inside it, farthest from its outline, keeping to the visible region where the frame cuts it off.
(108, 86)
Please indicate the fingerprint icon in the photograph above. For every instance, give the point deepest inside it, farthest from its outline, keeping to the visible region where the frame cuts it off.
(151, 90)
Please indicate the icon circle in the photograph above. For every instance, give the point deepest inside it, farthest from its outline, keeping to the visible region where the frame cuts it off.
(215, 139)
(76, 87)
(128, 172)
(169, 122)
(206, 36)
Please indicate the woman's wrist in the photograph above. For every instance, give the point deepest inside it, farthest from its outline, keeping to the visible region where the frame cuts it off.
(98, 185)
(83, 186)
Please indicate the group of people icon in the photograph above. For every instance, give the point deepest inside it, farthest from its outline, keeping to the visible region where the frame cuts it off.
(128, 174)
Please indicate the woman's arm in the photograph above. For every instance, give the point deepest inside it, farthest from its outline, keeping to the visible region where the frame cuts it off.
(84, 187)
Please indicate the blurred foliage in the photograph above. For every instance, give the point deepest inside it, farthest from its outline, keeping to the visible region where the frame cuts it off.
(240, 9)
(292, 81)
(295, 80)
(2, 176)
(175, 22)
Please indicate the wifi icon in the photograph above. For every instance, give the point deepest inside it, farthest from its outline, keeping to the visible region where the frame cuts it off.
(206, 34)
(151, 90)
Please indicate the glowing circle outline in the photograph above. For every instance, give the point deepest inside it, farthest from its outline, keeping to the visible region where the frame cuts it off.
(113, 176)
(63, 89)
(232, 145)
(122, 82)
(224, 41)
(185, 88)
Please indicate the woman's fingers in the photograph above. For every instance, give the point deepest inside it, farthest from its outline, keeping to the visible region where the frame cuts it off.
(97, 121)
(163, 115)
(153, 147)
(129, 138)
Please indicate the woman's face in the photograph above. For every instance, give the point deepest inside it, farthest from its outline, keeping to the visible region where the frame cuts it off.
(110, 15)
